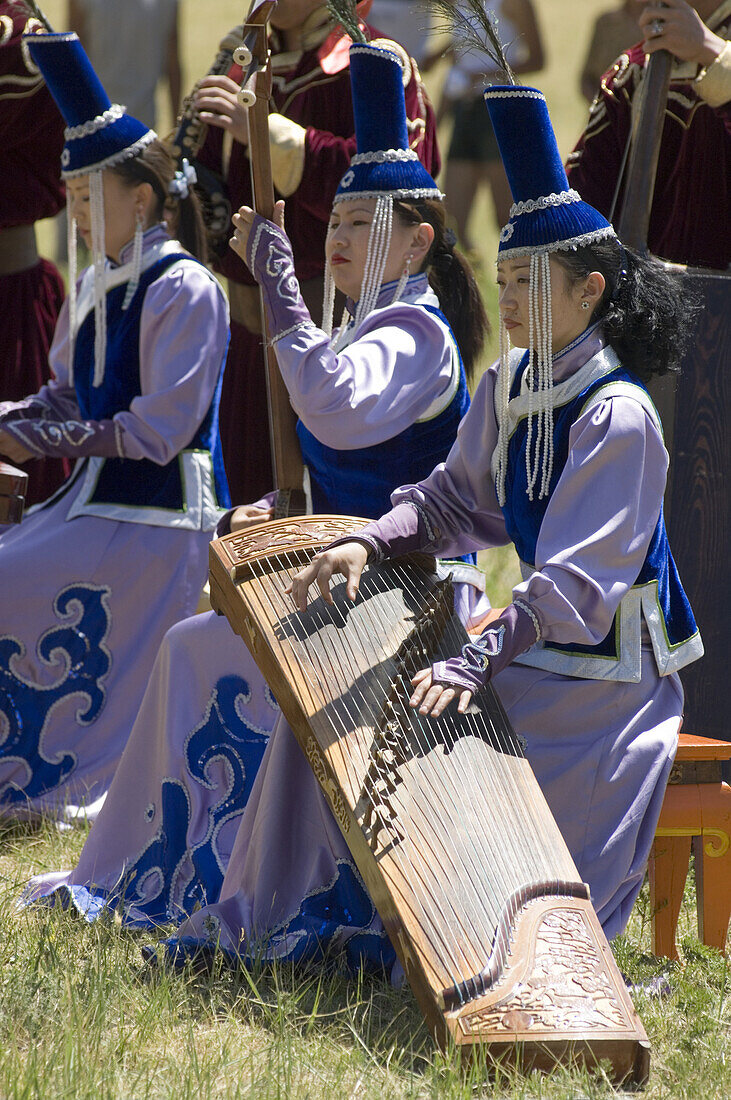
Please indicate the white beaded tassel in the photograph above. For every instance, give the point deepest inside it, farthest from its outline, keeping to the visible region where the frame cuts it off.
(134, 280)
(72, 253)
(379, 240)
(502, 398)
(530, 371)
(328, 301)
(96, 195)
(344, 333)
(546, 403)
(401, 284)
(539, 377)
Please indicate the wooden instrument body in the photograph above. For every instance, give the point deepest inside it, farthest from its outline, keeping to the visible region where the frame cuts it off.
(13, 487)
(504, 954)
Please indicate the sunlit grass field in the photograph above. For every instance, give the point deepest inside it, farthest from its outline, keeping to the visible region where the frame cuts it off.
(81, 1017)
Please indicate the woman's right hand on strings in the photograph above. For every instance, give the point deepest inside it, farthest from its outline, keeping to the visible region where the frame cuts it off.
(348, 558)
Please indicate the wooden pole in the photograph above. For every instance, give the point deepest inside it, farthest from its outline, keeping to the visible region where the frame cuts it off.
(645, 150)
(287, 462)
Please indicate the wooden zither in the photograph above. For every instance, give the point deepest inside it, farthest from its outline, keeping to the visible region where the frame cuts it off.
(444, 818)
(13, 487)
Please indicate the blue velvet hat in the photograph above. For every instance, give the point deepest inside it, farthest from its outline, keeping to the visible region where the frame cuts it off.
(546, 215)
(98, 134)
(383, 164)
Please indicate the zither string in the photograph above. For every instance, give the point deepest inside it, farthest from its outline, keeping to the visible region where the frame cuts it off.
(261, 571)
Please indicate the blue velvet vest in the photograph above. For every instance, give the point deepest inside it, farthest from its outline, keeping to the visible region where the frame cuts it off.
(657, 593)
(134, 488)
(359, 482)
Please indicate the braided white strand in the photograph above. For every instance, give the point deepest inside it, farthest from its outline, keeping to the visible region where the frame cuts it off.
(72, 253)
(541, 372)
(382, 254)
(502, 399)
(401, 284)
(379, 240)
(365, 284)
(342, 336)
(328, 301)
(96, 194)
(134, 280)
(529, 373)
(548, 392)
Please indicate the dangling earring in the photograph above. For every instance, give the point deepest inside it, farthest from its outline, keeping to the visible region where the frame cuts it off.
(134, 280)
(401, 285)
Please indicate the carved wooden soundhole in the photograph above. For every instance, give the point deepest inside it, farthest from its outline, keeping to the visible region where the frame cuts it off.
(569, 988)
(288, 534)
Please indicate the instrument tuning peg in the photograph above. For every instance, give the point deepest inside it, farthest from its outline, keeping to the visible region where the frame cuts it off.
(243, 56)
(246, 97)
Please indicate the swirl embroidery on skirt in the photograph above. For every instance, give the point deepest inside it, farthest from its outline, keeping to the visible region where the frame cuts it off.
(172, 876)
(76, 652)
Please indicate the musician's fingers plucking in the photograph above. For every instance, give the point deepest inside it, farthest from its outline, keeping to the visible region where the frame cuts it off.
(433, 698)
(347, 560)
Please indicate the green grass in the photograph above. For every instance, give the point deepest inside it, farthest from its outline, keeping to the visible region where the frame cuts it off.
(82, 1017)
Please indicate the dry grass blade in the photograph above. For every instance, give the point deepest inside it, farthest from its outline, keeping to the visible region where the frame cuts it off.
(345, 13)
(474, 29)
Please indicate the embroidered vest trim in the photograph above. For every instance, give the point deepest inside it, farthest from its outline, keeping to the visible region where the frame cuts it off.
(619, 655)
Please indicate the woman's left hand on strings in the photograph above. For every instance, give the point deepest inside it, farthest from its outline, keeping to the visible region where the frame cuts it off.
(12, 449)
(433, 698)
(243, 221)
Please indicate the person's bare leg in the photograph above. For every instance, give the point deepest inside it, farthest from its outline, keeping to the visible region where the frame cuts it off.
(460, 184)
(494, 174)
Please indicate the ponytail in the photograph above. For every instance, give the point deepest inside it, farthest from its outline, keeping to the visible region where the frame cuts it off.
(178, 205)
(645, 313)
(452, 280)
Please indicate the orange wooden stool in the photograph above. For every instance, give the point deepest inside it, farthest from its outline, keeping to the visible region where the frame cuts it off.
(696, 812)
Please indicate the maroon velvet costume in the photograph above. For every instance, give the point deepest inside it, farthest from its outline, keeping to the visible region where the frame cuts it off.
(320, 102)
(31, 138)
(690, 221)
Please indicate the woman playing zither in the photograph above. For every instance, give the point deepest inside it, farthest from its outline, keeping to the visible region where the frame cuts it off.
(381, 396)
(562, 454)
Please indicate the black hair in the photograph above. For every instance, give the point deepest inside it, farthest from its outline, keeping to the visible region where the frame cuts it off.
(155, 165)
(452, 280)
(645, 313)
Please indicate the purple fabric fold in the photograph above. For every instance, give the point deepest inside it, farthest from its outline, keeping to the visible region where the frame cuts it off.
(484, 657)
(271, 262)
(400, 531)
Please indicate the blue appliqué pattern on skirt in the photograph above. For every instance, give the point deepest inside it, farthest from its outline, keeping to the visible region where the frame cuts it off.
(170, 878)
(338, 919)
(26, 708)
